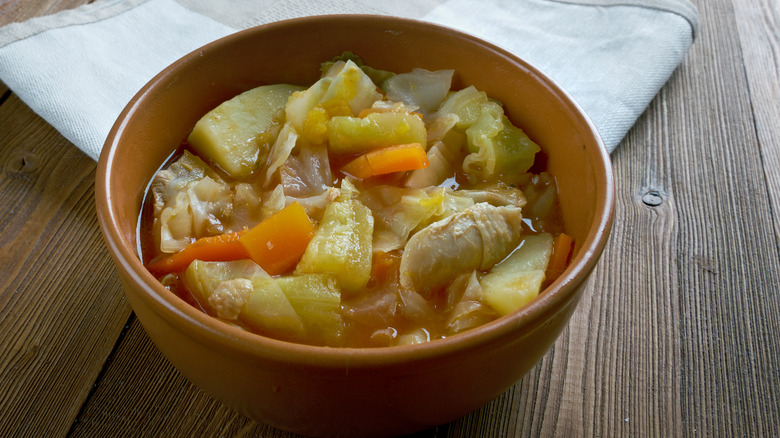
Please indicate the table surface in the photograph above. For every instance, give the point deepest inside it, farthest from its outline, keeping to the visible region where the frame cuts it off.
(676, 334)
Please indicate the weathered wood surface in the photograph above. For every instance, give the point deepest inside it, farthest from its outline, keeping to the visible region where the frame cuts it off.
(677, 333)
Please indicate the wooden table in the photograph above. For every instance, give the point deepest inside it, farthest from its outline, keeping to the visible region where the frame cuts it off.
(677, 333)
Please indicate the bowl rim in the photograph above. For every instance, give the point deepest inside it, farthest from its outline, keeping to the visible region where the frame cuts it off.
(222, 336)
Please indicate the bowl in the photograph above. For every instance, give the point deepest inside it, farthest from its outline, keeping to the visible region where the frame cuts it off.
(350, 391)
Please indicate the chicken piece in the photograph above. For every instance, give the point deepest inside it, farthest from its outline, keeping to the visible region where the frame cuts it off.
(229, 297)
(476, 238)
(497, 194)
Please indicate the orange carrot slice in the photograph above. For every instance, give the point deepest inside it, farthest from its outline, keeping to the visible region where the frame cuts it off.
(220, 248)
(390, 159)
(277, 243)
(563, 244)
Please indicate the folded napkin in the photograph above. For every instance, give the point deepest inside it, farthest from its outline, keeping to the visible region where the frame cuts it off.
(78, 69)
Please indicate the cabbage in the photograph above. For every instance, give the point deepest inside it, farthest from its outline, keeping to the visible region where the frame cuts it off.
(315, 205)
(465, 306)
(377, 76)
(497, 147)
(351, 84)
(466, 104)
(190, 201)
(440, 126)
(422, 88)
(376, 309)
(273, 202)
(307, 173)
(441, 166)
(497, 194)
(301, 102)
(280, 150)
(481, 135)
(413, 306)
(246, 207)
(416, 336)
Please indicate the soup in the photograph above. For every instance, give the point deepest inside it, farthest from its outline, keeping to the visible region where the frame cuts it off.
(369, 209)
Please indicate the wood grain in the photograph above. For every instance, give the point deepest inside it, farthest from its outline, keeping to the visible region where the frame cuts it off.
(728, 247)
(758, 22)
(676, 334)
(61, 307)
(12, 11)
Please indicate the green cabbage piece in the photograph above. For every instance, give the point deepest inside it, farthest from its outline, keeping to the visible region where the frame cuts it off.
(376, 75)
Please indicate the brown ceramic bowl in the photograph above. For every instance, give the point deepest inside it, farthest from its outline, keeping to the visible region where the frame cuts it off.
(350, 391)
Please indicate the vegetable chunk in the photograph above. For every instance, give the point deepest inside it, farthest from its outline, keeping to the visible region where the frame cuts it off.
(278, 242)
(517, 280)
(316, 298)
(231, 135)
(242, 290)
(342, 244)
(357, 135)
(386, 160)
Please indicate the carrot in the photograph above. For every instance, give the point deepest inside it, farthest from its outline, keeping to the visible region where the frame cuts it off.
(224, 247)
(563, 244)
(384, 264)
(389, 159)
(277, 243)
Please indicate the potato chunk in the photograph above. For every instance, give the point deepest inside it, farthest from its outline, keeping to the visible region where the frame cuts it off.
(517, 280)
(236, 135)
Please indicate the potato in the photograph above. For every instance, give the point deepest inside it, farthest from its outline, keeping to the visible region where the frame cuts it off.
(515, 281)
(236, 135)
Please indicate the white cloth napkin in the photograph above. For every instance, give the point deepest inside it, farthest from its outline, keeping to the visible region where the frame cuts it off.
(79, 68)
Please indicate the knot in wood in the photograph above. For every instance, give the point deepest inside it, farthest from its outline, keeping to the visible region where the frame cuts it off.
(652, 198)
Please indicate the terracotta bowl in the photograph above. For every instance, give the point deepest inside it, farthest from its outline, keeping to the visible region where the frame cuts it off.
(350, 391)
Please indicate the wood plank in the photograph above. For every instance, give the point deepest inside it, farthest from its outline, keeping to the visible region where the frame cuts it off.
(12, 11)
(727, 254)
(61, 307)
(757, 24)
(141, 393)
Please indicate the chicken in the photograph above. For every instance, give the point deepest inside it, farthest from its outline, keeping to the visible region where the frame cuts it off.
(229, 297)
(476, 238)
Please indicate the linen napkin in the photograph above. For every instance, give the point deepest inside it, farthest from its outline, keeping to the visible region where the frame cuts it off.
(78, 68)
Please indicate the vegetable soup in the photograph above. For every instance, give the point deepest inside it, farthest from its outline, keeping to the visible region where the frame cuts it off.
(369, 209)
